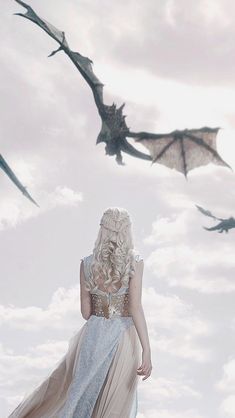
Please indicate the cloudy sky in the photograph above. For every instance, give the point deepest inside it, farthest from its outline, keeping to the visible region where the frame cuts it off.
(172, 63)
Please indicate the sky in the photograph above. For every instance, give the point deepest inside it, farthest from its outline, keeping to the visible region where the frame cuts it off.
(172, 63)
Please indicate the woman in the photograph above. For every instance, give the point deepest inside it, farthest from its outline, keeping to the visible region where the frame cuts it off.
(98, 376)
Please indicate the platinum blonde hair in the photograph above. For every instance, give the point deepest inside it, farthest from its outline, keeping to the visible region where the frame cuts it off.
(113, 256)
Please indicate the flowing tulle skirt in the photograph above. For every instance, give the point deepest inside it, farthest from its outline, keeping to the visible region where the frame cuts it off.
(96, 378)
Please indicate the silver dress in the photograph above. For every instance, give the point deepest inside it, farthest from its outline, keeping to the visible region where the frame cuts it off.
(97, 378)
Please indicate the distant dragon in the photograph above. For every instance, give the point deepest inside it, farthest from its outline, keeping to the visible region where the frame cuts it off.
(224, 225)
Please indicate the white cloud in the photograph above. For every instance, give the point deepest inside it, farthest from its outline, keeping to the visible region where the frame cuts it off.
(188, 256)
(164, 313)
(227, 383)
(166, 413)
(214, 13)
(36, 359)
(170, 313)
(162, 389)
(20, 371)
(190, 111)
(228, 406)
(194, 268)
(61, 313)
(16, 209)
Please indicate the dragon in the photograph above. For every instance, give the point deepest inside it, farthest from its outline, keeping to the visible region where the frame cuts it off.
(223, 225)
(181, 150)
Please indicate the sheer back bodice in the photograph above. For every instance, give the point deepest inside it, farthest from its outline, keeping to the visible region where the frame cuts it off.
(108, 304)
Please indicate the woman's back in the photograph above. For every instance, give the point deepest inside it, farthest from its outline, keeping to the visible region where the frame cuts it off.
(98, 376)
(104, 301)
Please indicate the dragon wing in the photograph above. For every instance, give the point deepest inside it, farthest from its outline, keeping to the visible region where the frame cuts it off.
(182, 150)
(5, 167)
(83, 64)
(208, 213)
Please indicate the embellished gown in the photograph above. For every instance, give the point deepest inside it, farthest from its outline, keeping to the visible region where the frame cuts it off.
(97, 377)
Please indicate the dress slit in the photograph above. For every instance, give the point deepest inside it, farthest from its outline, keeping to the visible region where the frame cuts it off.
(118, 396)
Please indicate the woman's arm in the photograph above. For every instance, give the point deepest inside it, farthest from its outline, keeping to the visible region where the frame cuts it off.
(136, 310)
(85, 297)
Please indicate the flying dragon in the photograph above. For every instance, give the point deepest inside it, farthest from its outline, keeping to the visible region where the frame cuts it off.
(181, 150)
(223, 225)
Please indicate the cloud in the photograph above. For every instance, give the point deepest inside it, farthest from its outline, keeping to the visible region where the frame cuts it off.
(26, 367)
(228, 406)
(20, 373)
(165, 390)
(61, 313)
(226, 385)
(164, 313)
(174, 327)
(191, 45)
(167, 413)
(21, 368)
(184, 254)
(194, 269)
(14, 211)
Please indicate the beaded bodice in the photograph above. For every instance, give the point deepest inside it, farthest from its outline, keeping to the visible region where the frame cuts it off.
(108, 304)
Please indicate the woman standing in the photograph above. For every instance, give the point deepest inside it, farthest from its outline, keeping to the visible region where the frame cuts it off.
(98, 376)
